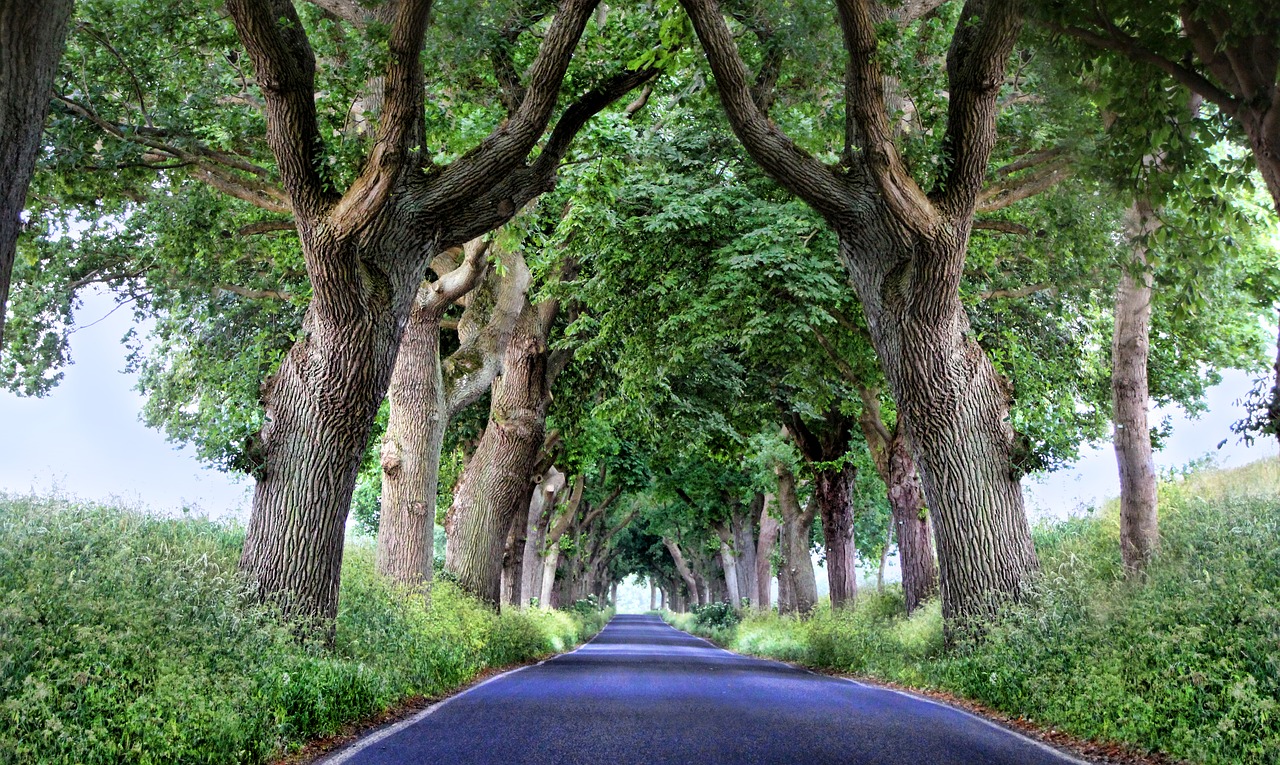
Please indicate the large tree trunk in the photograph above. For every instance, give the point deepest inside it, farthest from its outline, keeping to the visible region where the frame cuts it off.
(1139, 524)
(955, 407)
(833, 492)
(496, 480)
(765, 544)
(797, 525)
(911, 526)
(416, 422)
(32, 34)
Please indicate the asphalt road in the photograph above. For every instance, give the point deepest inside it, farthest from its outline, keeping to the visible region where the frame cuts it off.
(642, 692)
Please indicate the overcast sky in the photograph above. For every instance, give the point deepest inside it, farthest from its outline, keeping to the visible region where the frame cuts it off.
(85, 439)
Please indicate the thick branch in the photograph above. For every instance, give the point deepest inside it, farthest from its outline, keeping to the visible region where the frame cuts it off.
(401, 113)
(790, 165)
(508, 145)
(1118, 42)
(864, 100)
(976, 61)
(253, 294)
(272, 33)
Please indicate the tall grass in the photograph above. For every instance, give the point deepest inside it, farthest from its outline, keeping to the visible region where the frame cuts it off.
(129, 638)
(1187, 662)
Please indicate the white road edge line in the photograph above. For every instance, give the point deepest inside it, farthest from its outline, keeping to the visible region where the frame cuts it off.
(918, 697)
(359, 745)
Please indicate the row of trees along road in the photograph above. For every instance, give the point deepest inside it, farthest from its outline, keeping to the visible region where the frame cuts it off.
(772, 284)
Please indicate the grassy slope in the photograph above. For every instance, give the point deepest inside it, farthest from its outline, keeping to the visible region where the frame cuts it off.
(129, 638)
(1187, 664)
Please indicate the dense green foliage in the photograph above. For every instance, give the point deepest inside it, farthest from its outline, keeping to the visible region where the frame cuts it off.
(1186, 663)
(129, 638)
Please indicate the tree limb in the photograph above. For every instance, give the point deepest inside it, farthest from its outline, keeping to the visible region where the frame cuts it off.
(401, 115)
(272, 33)
(793, 167)
(976, 61)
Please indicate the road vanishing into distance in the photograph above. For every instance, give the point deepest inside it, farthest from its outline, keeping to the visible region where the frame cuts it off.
(644, 693)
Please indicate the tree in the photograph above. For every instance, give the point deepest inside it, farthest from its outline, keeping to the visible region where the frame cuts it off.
(904, 251)
(31, 40)
(366, 251)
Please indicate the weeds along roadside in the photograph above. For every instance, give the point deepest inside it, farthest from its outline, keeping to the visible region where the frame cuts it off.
(1187, 663)
(127, 637)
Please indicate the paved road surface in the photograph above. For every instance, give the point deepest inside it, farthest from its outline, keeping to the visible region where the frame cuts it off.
(642, 692)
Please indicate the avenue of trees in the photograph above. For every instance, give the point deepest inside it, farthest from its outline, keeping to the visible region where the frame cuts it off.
(690, 291)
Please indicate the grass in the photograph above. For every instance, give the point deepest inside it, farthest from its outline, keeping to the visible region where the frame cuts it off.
(129, 638)
(1186, 663)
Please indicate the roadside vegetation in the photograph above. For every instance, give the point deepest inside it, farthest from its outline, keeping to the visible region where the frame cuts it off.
(1186, 663)
(126, 637)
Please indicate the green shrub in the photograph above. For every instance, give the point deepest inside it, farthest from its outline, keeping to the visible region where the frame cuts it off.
(716, 615)
(125, 637)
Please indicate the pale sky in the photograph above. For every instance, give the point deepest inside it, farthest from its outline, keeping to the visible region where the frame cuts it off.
(85, 439)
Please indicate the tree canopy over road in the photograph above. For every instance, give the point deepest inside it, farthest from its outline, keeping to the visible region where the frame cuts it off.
(689, 291)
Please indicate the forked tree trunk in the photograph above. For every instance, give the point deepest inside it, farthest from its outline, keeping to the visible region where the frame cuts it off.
(903, 248)
(32, 33)
(426, 393)
(765, 545)
(1130, 344)
(797, 525)
(496, 480)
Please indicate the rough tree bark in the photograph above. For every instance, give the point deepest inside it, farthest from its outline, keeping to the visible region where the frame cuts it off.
(823, 446)
(904, 251)
(765, 545)
(1130, 344)
(551, 554)
(797, 525)
(891, 453)
(425, 394)
(32, 35)
(495, 482)
(366, 253)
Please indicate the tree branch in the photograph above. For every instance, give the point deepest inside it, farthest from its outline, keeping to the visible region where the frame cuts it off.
(976, 61)
(866, 116)
(254, 294)
(509, 144)
(1118, 42)
(272, 33)
(401, 114)
(793, 167)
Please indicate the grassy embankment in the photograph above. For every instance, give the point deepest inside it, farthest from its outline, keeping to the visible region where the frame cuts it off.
(128, 638)
(1187, 663)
